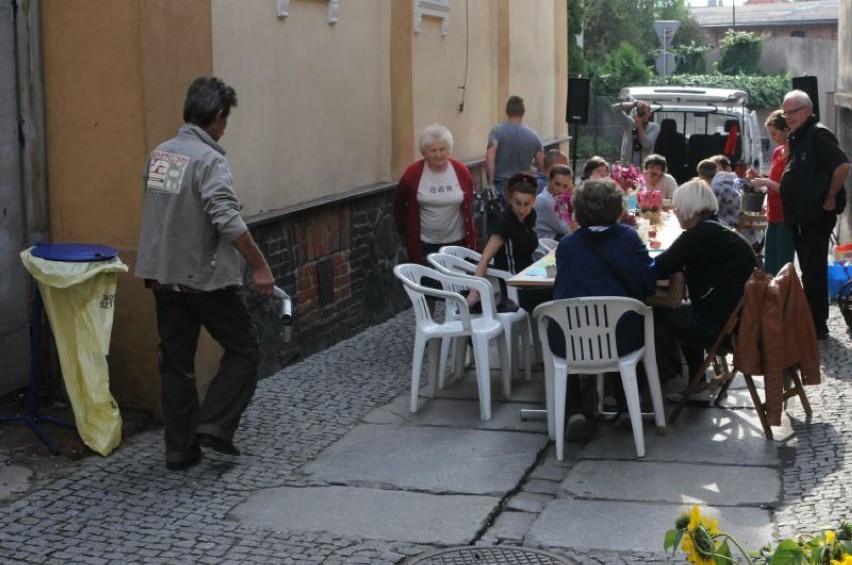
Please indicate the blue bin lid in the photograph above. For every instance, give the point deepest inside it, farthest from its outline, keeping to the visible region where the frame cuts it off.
(74, 252)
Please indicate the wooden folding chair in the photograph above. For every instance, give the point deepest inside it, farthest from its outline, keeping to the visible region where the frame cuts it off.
(792, 387)
(716, 354)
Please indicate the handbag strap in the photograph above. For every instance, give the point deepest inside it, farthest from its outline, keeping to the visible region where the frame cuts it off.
(616, 274)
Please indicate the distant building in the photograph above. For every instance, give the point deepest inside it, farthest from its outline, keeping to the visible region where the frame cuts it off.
(816, 19)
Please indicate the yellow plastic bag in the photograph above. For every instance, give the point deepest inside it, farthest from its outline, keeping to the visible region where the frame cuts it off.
(79, 298)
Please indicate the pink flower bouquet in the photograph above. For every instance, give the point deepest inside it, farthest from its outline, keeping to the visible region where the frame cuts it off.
(649, 200)
(563, 209)
(629, 178)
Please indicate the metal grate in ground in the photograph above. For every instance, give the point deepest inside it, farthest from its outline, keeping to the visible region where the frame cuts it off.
(480, 555)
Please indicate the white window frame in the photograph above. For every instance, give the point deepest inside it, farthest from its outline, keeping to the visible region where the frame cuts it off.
(333, 8)
(434, 9)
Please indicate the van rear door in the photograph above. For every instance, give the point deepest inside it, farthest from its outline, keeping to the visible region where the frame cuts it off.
(753, 137)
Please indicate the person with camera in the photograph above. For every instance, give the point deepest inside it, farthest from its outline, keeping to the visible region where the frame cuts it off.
(640, 133)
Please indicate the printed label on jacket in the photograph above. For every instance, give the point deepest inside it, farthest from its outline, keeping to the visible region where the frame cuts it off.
(165, 172)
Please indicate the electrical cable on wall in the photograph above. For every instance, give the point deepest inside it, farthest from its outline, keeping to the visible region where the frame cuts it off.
(463, 87)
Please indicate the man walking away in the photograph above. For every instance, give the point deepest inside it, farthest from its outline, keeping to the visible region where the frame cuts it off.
(192, 249)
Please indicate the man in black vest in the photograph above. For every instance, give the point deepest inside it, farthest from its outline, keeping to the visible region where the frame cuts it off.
(812, 195)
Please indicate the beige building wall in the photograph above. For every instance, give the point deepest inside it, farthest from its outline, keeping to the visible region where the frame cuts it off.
(531, 40)
(494, 49)
(115, 74)
(314, 98)
(466, 56)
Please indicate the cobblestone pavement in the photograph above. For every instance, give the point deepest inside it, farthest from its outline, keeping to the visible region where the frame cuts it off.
(128, 508)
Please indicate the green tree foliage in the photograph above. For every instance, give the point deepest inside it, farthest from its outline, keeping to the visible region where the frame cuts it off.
(623, 67)
(740, 52)
(577, 64)
(691, 58)
(690, 33)
(672, 10)
(606, 23)
(764, 91)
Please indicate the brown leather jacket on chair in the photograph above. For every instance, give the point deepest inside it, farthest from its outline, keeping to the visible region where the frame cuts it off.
(776, 331)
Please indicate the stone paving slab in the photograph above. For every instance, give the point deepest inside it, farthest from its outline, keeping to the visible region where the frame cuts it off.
(635, 526)
(691, 483)
(522, 389)
(428, 459)
(456, 413)
(368, 513)
(708, 435)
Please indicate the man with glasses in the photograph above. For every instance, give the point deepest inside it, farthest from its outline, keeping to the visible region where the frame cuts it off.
(812, 195)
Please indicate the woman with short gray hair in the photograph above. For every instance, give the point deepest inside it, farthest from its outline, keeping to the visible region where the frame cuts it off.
(716, 262)
(692, 200)
(432, 204)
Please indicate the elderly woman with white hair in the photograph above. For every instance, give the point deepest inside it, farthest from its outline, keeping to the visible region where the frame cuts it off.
(432, 204)
(715, 261)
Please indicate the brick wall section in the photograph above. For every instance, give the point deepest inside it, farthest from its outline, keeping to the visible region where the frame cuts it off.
(358, 239)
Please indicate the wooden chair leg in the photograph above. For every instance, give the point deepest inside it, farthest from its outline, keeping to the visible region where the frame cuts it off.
(759, 405)
(798, 390)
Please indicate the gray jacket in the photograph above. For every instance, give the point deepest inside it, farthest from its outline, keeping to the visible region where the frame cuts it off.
(190, 215)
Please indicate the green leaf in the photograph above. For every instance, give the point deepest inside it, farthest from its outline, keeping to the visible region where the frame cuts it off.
(672, 539)
(788, 552)
(723, 554)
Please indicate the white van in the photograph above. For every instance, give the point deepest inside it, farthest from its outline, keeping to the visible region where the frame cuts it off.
(696, 123)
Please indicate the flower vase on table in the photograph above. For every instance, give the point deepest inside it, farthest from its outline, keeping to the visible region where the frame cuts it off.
(653, 216)
(650, 204)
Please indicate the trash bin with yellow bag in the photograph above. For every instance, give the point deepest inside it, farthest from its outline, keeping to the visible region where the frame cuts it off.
(77, 283)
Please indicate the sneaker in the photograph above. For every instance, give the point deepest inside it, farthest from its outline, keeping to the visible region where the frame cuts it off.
(577, 428)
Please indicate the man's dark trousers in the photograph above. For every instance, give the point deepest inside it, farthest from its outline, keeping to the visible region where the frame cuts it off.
(180, 316)
(811, 243)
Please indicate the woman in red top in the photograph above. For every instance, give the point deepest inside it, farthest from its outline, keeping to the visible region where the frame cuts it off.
(779, 238)
(432, 204)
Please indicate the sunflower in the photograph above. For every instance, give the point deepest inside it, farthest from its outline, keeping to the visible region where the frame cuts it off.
(846, 559)
(699, 543)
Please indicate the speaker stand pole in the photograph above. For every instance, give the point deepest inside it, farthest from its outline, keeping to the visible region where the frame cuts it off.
(574, 150)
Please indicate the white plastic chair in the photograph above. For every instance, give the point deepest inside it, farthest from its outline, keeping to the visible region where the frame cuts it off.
(481, 329)
(589, 327)
(452, 265)
(494, 274)
(512, 292)
(545, 246)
